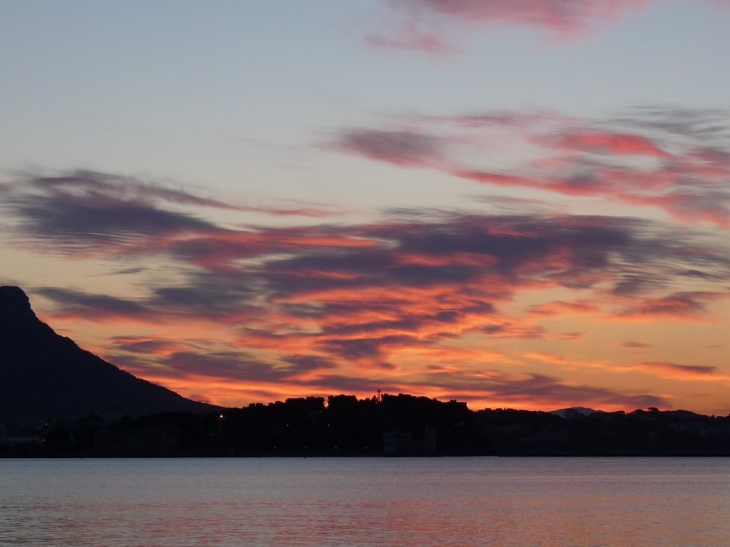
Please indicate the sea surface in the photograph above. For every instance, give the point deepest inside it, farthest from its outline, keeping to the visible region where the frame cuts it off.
(500, 502)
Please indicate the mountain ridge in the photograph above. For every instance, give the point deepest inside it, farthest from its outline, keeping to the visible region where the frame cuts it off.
(48, 376)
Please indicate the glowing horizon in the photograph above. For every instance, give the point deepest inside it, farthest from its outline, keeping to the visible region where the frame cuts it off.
(522, 207)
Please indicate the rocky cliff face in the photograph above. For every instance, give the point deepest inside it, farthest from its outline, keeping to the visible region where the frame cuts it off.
(15, 310)
(47, 376)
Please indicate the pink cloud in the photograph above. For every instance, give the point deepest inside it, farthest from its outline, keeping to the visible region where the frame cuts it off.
(412, 38)
(423, 21)
(605, 142)
(663, 162)
(557, 15)
(689, 206)
(428, 26)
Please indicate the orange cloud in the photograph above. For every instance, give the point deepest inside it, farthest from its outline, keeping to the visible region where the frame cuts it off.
(564, 308)
(678, 306)
(547, 358)
(681, 372)
(406, 302)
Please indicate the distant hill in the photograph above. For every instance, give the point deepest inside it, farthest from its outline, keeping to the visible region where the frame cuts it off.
(575, 412)
(47, 376)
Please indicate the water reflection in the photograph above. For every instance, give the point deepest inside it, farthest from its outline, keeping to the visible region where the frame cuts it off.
(443, 501)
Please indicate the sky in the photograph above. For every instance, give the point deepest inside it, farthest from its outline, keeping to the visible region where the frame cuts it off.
(513, 204)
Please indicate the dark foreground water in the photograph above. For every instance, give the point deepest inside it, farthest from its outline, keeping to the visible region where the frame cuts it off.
(547, 502)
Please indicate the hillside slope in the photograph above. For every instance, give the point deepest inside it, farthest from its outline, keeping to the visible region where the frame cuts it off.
(45, 375)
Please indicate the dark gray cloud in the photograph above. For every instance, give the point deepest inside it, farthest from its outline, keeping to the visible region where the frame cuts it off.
(304, 363)
(209, 296)
(95, 184)
(356, 348)
(702, 123)
(241, 366)
(100, 221)
(87, 212)
(201, 295)
(142, 346)
(227, 365)
(508, 330)
(90, 212)
(400, 147)
(681, 370)
(93, 306)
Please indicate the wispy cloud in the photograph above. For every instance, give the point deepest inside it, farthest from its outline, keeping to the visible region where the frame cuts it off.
(674, 160)
(682, 372)
(438, 27)
(678, 306)
(400, 147)
(607, 143)
(95, 307)
(411, 37)
(426, 25)
(90, 211)
(564, 308)
(383, 302)
(634, 344)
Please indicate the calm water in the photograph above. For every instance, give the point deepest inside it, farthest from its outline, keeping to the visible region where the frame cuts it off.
(440, 501)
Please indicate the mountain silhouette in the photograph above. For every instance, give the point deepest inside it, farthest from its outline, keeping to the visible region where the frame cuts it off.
(47, 376)
(575, 412)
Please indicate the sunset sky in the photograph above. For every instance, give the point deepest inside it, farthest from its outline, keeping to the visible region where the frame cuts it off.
(514, 204)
